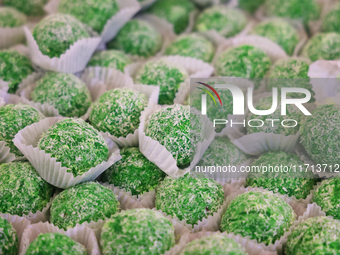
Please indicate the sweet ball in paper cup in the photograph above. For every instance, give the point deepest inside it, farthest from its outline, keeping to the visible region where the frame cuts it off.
(9, 242)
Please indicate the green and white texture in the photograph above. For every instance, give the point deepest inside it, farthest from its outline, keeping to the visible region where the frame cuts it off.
(137, 38)
(289, 183)
(55, 243)
(14, 68)
(85, 202)
(75, 144)
(91, 12)
(227, 22)
(66, 92)
(57, 32)
(137, 232)
(189, 198)
(250, 5)
(168, 76)
(118, 111)
(9, 243)
(29, 7)
(262, 216)
(114, 59)
(13, 118)
(331, 21)
(22, 190)
(10, 17)
(134, 172)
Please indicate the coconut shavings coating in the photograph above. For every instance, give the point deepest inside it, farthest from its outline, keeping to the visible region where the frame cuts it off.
(22, 190)
(114, 59)
(192, 45)
(134, 172)
(250, 5)
(13, 118)
(243, 61)
(29, 7)
(139, 38)
(262, 216)
(91, 12)
(84, 202)
(320, 134)
(14, 68)
(323, 46)
(215, 244)
(10, 17)
(65, 92)
(137, 232)
(318, 235)
(226, 21)
(117, 111)
(189, 198)
(56, 33)
(331, 21)
(55, 243)
(76, 144)
(164, 74)
(8, 238)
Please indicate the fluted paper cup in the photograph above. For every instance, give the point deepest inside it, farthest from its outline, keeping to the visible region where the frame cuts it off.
(11, 36)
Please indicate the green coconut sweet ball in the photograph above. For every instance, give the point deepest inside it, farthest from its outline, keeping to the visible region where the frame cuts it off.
(137, 38)
(66, 92)
(93, 13)
(293, 182)
(22, 190)
(226, 21)
(10, 17)
(317, 235)
(57, 32)
(55, 243)
(13, 118)
(250, 5)
(75, 144)
(114, 59)
(14, 68)
(134, 172)
(262, 216)
(192, 45)
(176, 12)
(29, 7)
(215, 244)
(9, 243)
(85, 202)
(319, 135)
(331, 21)
(324, 46)
(117, 111)
(189, 198)
(136, 232)
(168, 76)
(244, 61)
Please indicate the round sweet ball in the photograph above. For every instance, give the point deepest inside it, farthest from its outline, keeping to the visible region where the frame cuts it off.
(286, 182)
(93, 13)
(29, 7)
(114, 59)
(189, 198)
(117, 111)
(75, 144)
(14, 69)
(13, 118)
(317, 235)
(66, 92)
(176, 12)
(10, 17)
(57, 32)
(214, 244)
(134, 172)
(323, 46)
(52, 243)
(137, 38)
(8, 238)
(244, 61)
(250, 5)
(22, 190)
(143, 230)
(319, 134)
(192, 45)
(85, 202)
(262, 216)
(226, 21)
(331, 21)
(166, 75)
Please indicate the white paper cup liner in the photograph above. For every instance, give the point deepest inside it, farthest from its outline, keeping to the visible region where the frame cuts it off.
(146, 4)
(48, 168)
(22, 49)
(5, 155)
(40, 216)
(183, 92)
(80, 234)
(26, 81)
(11, 36)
